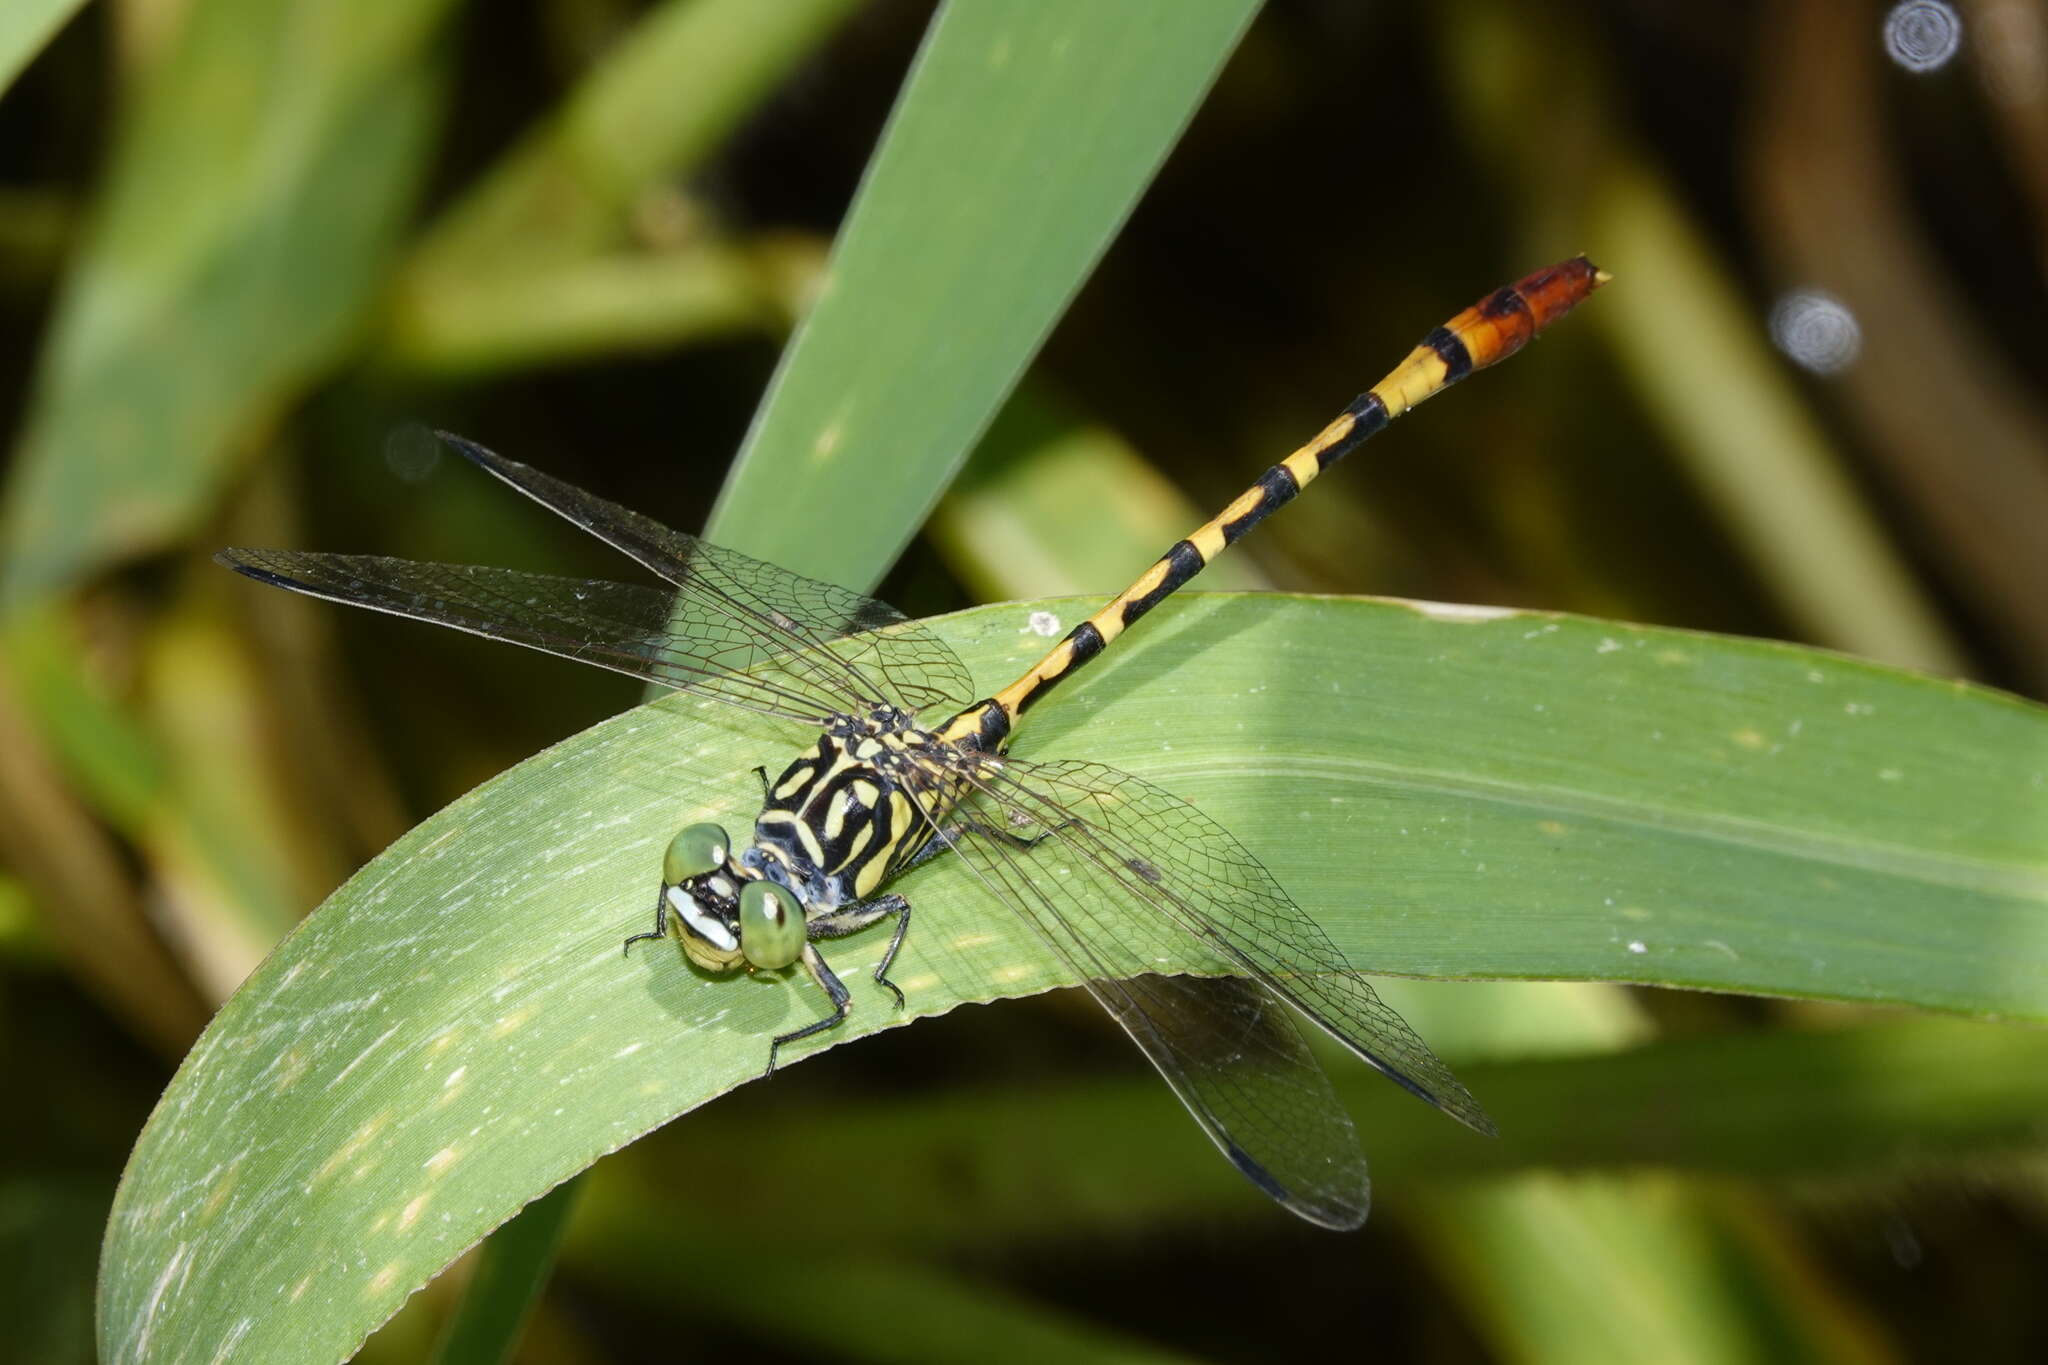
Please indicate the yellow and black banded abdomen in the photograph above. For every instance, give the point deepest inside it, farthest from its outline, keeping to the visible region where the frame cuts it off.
(1488, 332)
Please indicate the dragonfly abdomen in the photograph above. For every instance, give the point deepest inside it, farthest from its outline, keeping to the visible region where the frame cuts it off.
(1489, 331)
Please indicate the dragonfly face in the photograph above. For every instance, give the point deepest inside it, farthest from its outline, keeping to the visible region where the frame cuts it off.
(727, 914)
(700, 897)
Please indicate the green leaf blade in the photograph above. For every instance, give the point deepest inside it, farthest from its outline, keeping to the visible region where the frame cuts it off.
(1448, 793)
(1027, 131)
(25, 26)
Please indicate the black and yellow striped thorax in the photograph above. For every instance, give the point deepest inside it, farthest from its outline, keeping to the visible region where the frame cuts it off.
(859, 805)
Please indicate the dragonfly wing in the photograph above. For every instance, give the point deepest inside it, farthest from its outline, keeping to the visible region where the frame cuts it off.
(1160, 851)
(721, 591)
(1227, 1046)
(620, 626)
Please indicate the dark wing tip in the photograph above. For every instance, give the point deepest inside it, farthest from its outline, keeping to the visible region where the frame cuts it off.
(1455, 1100)
(242, 561)
(1256, 1172)
(249, 564)
(469, 450)
(1333, 1211)
(550, 492)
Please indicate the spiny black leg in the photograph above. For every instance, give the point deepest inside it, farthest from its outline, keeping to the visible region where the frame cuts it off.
(902, 913)
(1012, 839)
(767, 792)
(834, 988)
(933, 847)
(943, 841)
(851, 919)
(660, 925)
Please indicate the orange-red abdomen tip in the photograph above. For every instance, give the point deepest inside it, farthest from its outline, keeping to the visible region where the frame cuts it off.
(1554, 291)
(1503, 322)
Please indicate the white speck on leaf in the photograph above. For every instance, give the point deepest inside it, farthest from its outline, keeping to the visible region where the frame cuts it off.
(1461, 613)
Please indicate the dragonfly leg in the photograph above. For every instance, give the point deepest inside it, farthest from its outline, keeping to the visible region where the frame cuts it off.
(1010, 837)
(852, 918)
(946, 837)
(835, 990)
(767, 788)
(660, 929)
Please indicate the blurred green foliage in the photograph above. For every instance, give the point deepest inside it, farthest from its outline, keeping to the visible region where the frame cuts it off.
(245, 248)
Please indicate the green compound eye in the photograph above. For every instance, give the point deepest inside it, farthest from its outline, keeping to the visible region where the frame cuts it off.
(696, 851)
(771, 925)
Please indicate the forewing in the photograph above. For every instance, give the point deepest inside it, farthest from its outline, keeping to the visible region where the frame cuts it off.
(1226, 1044)
(1167, 855)
(620, 626)
(721, 591)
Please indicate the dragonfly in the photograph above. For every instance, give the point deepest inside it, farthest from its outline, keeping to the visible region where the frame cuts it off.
(882, 788)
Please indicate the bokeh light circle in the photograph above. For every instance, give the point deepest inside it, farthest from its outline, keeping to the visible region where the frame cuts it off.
(1922, 35)
(1816, 330)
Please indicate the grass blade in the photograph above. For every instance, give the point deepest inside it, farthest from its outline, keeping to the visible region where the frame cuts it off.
(1451, 792)
(961, 251)
(25, 26)
(510, 1271)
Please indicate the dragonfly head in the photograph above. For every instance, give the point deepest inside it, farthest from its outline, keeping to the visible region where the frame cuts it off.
(727, 915)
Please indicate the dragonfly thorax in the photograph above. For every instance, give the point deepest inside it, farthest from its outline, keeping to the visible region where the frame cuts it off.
(841, 818)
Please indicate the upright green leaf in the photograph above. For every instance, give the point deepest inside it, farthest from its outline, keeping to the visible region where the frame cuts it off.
(25, 25)
(1027, 131)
